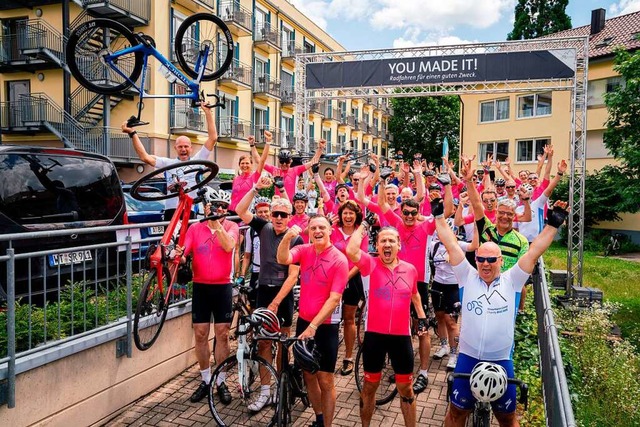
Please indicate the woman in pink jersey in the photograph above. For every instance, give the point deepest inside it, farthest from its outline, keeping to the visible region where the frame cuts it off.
(349, 219)
(323, 276)
(243, 182)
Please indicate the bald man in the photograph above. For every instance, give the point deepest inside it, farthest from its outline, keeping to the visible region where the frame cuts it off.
(489, 305)
(184, 151)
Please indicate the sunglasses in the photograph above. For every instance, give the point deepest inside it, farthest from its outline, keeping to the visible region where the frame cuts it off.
(489, 259)
(511, 186)
(279, 214)
(216, 205)
(286, 162)
(489, 201)
(410, 213)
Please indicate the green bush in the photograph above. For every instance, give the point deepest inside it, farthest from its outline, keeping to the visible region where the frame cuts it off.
(604, 374)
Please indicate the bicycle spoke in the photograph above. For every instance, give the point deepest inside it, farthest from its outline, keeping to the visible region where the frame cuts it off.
(151, 311)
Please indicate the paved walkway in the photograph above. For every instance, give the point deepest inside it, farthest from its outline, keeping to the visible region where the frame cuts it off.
(169, 405)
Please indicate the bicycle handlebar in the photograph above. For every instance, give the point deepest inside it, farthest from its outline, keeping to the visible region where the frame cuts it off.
(524, 388)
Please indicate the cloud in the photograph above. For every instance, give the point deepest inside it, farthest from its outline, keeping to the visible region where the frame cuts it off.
(321, 11)
(401, 42)
(624, 6)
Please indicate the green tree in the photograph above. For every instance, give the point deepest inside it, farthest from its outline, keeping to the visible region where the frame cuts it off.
(420, 124)
(622, 136)
(536, 18)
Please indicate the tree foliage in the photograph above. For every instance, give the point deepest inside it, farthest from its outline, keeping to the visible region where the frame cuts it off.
(420, 124)
(608, 192)
(622, 136)
(536, 18)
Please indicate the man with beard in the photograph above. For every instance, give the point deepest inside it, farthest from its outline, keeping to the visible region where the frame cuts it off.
(323, 276)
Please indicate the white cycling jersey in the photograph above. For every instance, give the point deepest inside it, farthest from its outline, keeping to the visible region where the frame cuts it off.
(202, 154)
(531, 229)
(488, 312)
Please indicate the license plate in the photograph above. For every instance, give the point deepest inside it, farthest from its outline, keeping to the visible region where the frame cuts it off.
(158, 230)
(68, 258)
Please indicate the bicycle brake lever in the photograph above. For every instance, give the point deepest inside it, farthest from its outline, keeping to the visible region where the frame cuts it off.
(134, 121)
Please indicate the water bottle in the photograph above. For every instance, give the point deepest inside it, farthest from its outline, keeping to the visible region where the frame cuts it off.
(167, 73)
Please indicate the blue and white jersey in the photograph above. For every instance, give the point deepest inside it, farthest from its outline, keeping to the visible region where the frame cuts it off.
(488, 312)
(531, 229)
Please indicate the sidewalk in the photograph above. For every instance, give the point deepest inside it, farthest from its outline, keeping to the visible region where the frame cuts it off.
(169, 405)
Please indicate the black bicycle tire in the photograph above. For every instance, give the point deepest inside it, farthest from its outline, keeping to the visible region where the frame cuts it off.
(283, 408)
(184, 64)
(607, 250)
(71, 56)
(142, 181)
(231, 362)
(142, 346)
(481, 418)
(387, 398)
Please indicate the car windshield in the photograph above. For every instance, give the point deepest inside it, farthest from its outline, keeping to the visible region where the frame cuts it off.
(143, 205)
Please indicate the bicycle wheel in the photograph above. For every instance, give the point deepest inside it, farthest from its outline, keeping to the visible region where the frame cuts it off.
(236, 412)
(285, 401)
(481, 417)
(151, 310)
(194, 34)
(87, 46)
(608, 249)
(386, 389)
(203, 171)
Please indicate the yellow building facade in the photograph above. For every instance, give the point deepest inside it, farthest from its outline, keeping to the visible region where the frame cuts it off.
(42, 104)
(518, 125)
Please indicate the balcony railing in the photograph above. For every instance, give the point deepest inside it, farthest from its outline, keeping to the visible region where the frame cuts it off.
(266, 84)
(233, 127)
(238, 72)
(290, 49)
(34, 38)
(132, 12)
(276, 135)
(287, 94)
(318, 107)
(186, 118)
(287, 139)
(233, 14)
(266, 34)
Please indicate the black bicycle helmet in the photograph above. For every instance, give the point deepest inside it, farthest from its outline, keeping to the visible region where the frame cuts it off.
(300, 195)
(500, 182)
(306, 355)
(284, 156)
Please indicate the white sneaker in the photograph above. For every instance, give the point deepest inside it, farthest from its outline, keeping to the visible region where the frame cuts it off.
(453, 359)
(259, 403)
(442, 352)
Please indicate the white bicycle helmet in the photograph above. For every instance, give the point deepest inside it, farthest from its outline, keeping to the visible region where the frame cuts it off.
(213, 195)
(488, 381)
(259, 201)
(269, 322)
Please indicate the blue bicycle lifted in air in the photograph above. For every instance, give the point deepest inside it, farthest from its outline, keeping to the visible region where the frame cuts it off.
(107, 58)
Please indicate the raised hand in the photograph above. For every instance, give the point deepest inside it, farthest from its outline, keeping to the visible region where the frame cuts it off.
(557, 216)
(251, 139)
(268, 137)
(264, 182)
(562, 166)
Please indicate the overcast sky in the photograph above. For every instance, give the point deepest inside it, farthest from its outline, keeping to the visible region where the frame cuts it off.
(376, 24)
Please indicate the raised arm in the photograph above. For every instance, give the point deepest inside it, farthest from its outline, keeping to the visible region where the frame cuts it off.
(137, 145)
(316, 157)
(541, 158)
(562, 169)
(212, 130)
(242, 209)
(555, 218)
(284, 254)
(323, 190)
(417, 176)
(262, 160)
(353, 246)
(466, 171)
(445, 234)
(547, 170)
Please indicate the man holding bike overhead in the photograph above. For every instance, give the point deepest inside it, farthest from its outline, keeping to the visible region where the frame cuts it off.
(489, 304)
(393, 288)
(184, 151)
(275, 281)
(323, 277)
(211, 243)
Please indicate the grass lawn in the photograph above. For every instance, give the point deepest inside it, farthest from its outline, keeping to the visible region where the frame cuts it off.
(619, 281)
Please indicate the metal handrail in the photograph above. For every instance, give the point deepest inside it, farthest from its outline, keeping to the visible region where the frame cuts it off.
(264, 83)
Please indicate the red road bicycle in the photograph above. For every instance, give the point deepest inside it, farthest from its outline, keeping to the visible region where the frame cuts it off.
(154, 298)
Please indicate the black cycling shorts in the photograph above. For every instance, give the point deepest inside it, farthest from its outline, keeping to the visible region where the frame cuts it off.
(423, 290)
(212, 303)
(326, 342)
(447, 298)
(354, 291)
(266, 294)
(376, 346)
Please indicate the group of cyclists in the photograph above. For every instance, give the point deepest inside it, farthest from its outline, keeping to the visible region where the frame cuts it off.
(388, 234)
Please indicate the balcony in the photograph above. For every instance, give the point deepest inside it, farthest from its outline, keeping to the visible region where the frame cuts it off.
(17, 4)
(276, 135)
(374, 131)
(331, 114)
(35, 46)
(237, 18)
(233, 129)
(287, 139)
(288, 96)
(265, 86)
(317, 107)
(369, 102)
(132, 13)
(289, 51)
(187, 121)
(267, 39)
(238, 76)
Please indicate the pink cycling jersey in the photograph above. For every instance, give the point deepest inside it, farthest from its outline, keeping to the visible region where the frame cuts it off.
(203, 243)
(389, 295)
(242, 184)
(301, 221)
(320, 274)
(290, 178)
(414, 242)
(340, 240)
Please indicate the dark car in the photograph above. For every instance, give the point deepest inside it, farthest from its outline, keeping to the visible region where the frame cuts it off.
(142, 211)
(56, 189)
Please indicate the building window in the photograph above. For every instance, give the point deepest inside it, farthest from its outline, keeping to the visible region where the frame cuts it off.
(598, 88)
(528, 149)
(495, 110)
(535, 105)
(498, 149)
(309, 47)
